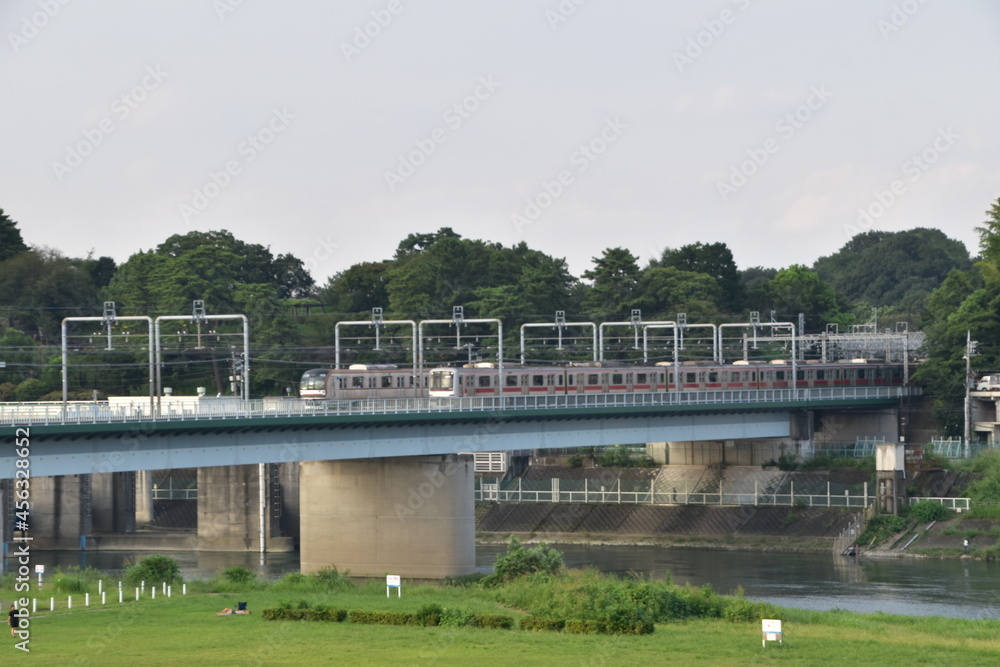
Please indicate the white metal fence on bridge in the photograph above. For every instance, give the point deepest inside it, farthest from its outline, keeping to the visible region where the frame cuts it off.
(145, 409)
(594, 492)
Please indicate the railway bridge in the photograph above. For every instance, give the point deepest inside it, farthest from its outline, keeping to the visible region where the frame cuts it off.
(376, 485)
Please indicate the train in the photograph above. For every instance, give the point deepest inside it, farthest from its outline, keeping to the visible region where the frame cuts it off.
(363, 381)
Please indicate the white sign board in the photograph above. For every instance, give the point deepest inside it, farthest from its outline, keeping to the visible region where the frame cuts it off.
(392, 581)
(40, 569)
(771, 629)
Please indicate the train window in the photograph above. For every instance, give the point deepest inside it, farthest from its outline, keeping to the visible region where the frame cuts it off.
(358, 382)
(484, 381)
(387, 382)
(511, 381)
(550, 380)
(640, 378)
(616, 378)
(571, 380)
(371, 382)
(691, 378)
(861, 373)
(800, 376)
(820, 374)
(537, 380)
(592, 378)
(779, 376)
(672, 379)
(713, 376)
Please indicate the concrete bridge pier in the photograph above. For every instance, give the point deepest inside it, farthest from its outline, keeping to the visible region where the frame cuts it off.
(412, 516)
(229, 510)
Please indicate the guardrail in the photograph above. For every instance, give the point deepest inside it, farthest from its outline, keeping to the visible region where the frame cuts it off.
(613, 494)
(27, 414)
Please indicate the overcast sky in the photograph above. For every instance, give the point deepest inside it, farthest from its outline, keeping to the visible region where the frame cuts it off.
(330, 130)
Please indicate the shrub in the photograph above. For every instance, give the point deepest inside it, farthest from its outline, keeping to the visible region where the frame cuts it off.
(541, 623)
(430, 614)
(329, 579)
(494, 621)
(626, 620)
(153, 569)
(455, 618)
(880, 527)
(382, 617)
(576, 626)
(520, 561)
(925, 511)
(239, 575)
(741, 610)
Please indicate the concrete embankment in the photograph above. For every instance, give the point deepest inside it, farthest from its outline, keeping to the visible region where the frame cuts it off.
(785, 528)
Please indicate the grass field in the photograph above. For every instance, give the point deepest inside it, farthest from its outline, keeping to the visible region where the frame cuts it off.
(186, 631)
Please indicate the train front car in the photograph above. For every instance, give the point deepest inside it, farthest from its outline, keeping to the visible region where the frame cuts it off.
(313, 383)
(443, 383)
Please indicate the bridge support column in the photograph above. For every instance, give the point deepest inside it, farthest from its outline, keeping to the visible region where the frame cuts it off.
(58, 507)
(411, 516)
(113, 508)
(144, 496)
(229, 511)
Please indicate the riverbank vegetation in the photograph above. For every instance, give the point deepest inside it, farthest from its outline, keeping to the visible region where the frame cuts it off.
(692, 625)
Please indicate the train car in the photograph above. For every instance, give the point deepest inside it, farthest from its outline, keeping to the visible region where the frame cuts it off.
(360, 381)
(601, 378)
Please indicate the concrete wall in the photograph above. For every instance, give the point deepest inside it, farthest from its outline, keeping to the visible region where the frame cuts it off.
(411, 516)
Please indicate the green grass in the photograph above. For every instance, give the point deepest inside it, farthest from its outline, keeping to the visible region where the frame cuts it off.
(185, 630)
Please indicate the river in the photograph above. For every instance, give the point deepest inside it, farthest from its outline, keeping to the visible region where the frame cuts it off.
(913, 586)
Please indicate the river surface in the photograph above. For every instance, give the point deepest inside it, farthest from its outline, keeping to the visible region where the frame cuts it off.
(920, 587)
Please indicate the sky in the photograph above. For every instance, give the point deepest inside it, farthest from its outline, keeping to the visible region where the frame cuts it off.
(331, 130)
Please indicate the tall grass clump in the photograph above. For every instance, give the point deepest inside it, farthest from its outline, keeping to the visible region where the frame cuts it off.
(153, 570)
(925, 511)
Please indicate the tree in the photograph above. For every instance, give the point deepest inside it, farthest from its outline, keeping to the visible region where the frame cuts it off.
(357, 289)
(896, 269)
(664, 292)
(713, 259)
(966, 303)
(208, 266)
(11, 242)
(798, 289)
(40, 287)
(615, 277)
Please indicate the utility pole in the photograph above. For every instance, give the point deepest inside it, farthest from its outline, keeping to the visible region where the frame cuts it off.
(970, 350)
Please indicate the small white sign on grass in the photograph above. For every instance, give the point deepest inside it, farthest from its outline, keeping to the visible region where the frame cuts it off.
(771, 629)
(392, 581)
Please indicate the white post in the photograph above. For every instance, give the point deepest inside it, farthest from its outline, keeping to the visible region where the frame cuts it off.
(143, 588)
(586, 492)
(100, 585)
(755, 493)
(184, 589)
(170, 591)
(86, 600)
(652, 492)
(828, 493)
(34, 605)
(866, 495)
(120, 599)
(69, 602)
(137, 594)
(791, 493)
(52, 604)
(164, 588)
(153, 589)
(720, 491)
(104, 599)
